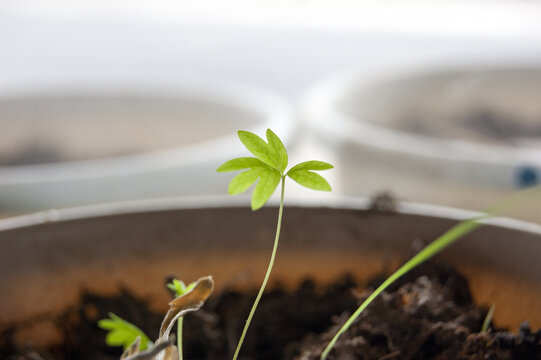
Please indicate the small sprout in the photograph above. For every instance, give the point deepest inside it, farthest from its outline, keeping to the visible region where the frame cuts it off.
(137, 345)
(123, 333)
(488, 319)
(269, 166)
(190, 301)
(179, 288)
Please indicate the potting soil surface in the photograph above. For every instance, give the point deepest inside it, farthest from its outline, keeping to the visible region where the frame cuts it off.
(428, 314)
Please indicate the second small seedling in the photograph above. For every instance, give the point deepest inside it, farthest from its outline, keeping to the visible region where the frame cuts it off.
(136, 343)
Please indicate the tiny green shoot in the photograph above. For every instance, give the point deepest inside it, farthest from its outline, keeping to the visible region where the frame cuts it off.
(268, 169)
(488, 319)
(123, 333)
(179, 288)
(137, 345)
(436, 246)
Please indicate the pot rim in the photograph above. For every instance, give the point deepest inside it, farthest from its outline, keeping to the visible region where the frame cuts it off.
(319, 112)
(275, 113)
(224, 201)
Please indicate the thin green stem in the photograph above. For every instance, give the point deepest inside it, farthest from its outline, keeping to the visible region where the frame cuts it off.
(179, 337)
(267, 275)
(435, 247)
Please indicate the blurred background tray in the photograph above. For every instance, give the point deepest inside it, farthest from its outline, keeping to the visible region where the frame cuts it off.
(287, 48)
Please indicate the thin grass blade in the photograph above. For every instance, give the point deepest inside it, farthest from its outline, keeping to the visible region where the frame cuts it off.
(456, 232)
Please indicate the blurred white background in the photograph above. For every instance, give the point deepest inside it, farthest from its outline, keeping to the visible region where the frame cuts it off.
(286, 48)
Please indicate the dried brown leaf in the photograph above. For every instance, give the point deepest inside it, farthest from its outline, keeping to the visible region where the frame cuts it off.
(190, 301)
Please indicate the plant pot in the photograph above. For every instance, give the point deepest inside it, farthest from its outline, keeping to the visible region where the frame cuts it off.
(460, 135)
(48, 258)
(65, 145)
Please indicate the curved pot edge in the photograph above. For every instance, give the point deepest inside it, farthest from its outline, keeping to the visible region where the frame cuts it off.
(318, 105)
(275, 110)
(220, 201)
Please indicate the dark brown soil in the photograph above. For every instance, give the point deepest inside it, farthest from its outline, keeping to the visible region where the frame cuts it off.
(429, 314)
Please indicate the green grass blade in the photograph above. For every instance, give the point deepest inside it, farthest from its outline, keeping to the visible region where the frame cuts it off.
(439, 244)
(435, 247)
(488, 319)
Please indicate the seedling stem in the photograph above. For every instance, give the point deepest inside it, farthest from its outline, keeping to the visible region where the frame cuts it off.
(267, 168)
(267, 275)
(179, 337)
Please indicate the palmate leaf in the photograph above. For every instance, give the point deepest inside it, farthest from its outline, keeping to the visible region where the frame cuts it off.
(258, 147)
(240, 164)
(310, 180)
(302, 175)
(278, 151)
(268, 181)
(122, 333)
(244, 180)
(268, 167)
(311, 165)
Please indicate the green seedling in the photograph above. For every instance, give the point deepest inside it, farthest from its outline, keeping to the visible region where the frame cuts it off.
(137, 345)
(449, 237)
(179, 288)
(123, 333)
(268, 169)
